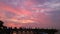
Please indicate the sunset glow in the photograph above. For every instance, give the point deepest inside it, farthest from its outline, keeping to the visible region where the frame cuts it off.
(40, 13)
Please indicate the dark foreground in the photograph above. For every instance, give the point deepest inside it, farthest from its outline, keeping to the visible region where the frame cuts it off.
(5, 30)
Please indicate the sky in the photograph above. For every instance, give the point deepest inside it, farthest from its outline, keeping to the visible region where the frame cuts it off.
(30, 13)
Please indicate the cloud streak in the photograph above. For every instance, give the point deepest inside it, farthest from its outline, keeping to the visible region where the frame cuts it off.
(36, 12)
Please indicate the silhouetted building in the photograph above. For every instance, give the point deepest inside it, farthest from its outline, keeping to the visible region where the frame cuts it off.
(5, 30)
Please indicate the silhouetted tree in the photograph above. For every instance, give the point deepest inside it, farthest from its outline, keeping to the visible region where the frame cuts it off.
(1, 23)
(5, 30)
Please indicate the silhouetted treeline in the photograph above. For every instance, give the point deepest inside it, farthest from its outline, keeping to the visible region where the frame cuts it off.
(10, 30)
